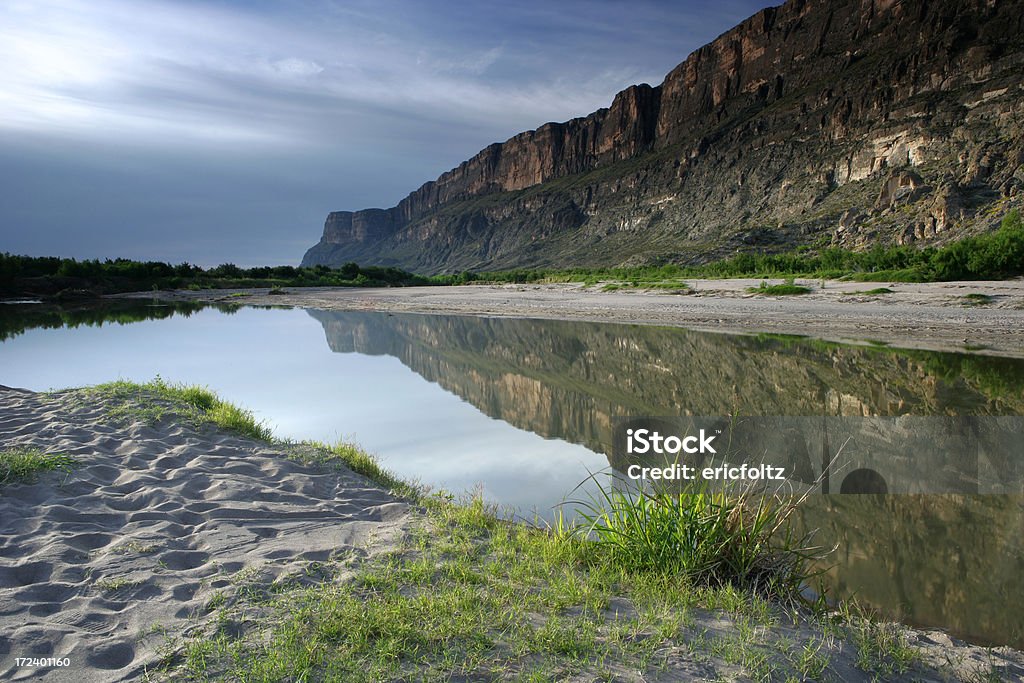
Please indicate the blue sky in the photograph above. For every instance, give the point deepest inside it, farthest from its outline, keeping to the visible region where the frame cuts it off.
(209, 131)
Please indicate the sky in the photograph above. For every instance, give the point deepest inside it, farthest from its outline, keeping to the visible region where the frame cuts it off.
(212, 131)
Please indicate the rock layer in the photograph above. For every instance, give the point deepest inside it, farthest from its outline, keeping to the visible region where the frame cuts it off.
(790, 128)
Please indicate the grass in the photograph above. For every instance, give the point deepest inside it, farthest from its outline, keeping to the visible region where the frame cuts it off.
(135, 548)
(811, 662)
(24, 464)
(671, 286)
(713, 537)
(151, 401)
(356, 459)
(882, 649)
(788, 288)
(469, 596)
(871, 292)
(977, 299)
(114, 585)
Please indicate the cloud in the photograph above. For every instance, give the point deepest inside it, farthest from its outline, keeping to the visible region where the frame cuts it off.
(309, 105)
(145, 71)
(201, 72)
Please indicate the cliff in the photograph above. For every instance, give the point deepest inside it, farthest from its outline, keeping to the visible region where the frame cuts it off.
(818, 122)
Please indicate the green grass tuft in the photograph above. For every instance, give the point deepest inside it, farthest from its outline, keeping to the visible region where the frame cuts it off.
(152, 400)
(882, 648)
(23, 464)
(671, 285)
(115, 585)
(977, 299)
(713, 537)
(236, 419)
(359, 461)
(786, 289)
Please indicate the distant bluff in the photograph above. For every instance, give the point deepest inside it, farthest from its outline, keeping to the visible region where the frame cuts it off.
(819, 122)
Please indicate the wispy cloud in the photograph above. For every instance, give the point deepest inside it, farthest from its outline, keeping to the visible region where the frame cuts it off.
(198, 71)
(141, 69)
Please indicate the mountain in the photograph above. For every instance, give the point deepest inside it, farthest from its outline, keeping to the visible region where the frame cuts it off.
(818, 122)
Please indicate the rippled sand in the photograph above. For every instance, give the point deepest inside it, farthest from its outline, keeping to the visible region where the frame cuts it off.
(101, 565)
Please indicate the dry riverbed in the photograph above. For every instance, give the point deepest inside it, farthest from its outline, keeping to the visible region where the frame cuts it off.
(983, 317)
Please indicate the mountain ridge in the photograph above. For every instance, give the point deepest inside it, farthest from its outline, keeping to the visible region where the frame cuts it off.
(815, 122)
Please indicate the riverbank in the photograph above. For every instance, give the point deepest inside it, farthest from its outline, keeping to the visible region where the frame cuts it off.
(177, 549)
(980, 317)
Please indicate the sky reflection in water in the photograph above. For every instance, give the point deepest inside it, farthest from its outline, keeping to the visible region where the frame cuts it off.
(277, 364)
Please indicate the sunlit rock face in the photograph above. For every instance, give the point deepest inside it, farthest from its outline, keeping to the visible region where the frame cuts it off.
(827, 121)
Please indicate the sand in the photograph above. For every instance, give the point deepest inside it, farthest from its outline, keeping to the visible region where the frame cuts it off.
(114, 563)
(933, 316)
(104, 564)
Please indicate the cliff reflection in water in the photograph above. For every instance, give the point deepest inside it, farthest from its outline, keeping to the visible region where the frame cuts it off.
(950, 560)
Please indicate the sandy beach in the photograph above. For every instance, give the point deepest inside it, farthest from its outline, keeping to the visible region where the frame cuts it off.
(936, 316)
(116, 563)
(105, 564)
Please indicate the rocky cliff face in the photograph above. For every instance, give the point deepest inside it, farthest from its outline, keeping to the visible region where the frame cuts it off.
(844, 122)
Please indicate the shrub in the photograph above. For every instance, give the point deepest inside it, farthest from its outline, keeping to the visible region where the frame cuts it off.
(714, 537)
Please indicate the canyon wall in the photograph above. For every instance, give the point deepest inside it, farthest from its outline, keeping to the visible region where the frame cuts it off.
(819, 122)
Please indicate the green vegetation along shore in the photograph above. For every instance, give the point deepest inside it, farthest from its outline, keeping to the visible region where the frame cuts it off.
(64, 279)
(989, 256)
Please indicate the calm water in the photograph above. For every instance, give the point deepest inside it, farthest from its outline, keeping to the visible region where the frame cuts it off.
(525, 409)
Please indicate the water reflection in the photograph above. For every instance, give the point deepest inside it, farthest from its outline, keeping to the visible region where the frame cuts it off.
(275, 363)
(18, 317)
(949, 560)
(571, 379)
(953, 560)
